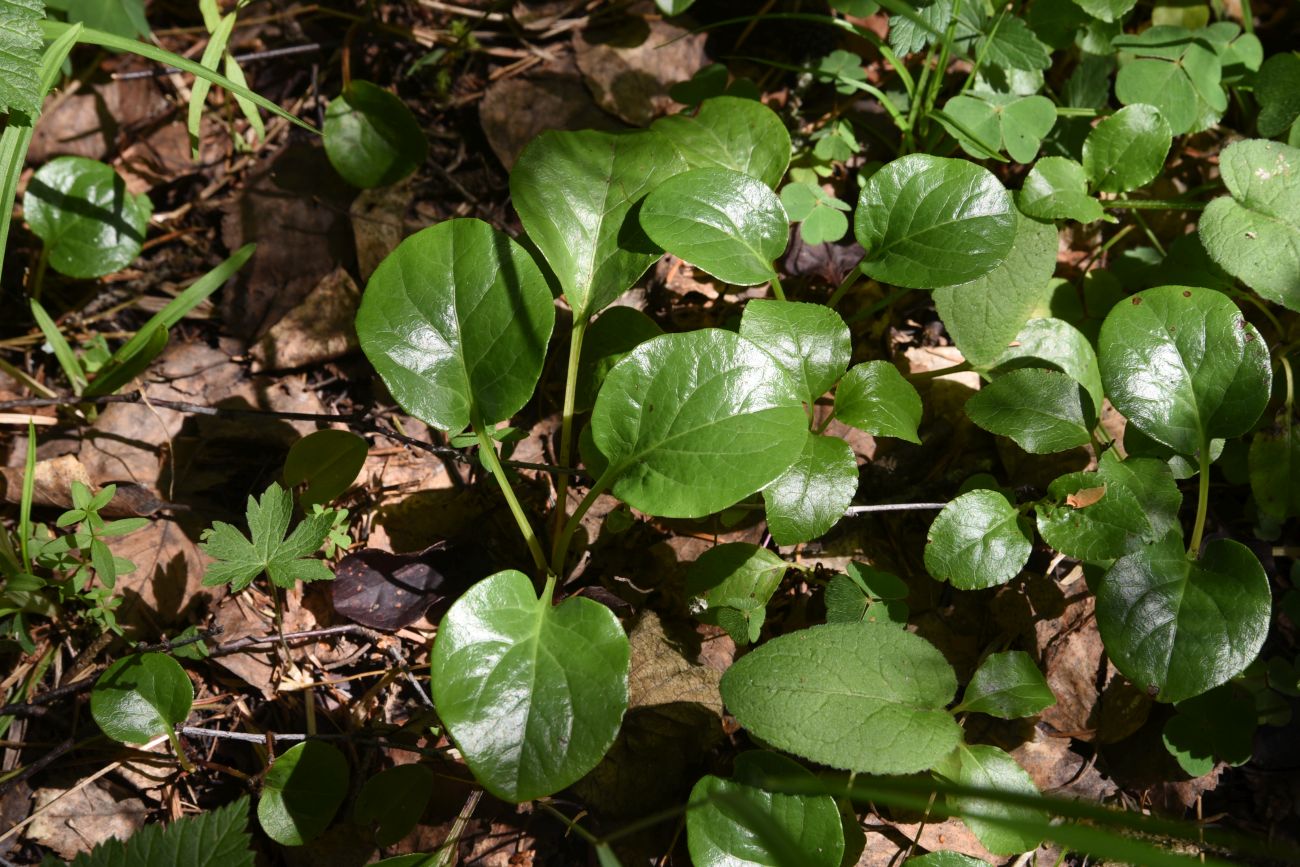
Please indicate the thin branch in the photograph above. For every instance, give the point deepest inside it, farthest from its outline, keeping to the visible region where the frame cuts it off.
(296, 737)
(893, 507)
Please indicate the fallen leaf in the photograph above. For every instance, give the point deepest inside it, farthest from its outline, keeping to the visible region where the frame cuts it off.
(1085, 497)
(320, 329)
(631, 65)
(516, 110)
(83, 819)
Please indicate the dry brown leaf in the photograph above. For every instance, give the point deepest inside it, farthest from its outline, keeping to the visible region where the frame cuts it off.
(84, 819)
(320, 329)
(516, 110)
(630, 66)
(1085, 497)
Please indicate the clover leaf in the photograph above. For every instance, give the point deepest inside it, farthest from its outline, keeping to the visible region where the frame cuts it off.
(285, 560)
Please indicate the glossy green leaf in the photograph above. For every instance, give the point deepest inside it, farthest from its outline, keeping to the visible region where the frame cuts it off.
(1127, 150)
(1057, 189)
(929, 221)
(729, 132)
(875, 397)
(1016, 124)
(689, 424)
(301, 793)
(1277, 89)
(1007, 685)
(371, 137)
(577, 194)
(988, 767)
(1254, 233)
(1184, 366)
(1041, 410)
(1106, 10)
(821, 216)
(722, 833)
(1275, 469)
(82, 211)
(1176, 70)
(437, 315)
(979, 540)
(327, 461)
(532, 693)
(1061, 345)
(394, 799)
(140, 697)
(730, 585)
(812, 495)
(124, 18)
(1100, 516)
(722, 222)
(1178, 627)
(864, 697)
(615, 333)
(1218, 725)
(20, 56)
(809, 341)
(945, 859)
(214, 838)
(986, 314)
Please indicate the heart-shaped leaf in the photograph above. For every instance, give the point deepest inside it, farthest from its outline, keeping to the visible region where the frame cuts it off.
(1277, 88)
(532, 693)
(327, 461)
(1184, 366)
(929, 221)
(863, 594)
(1178, 627)
(140, 697)
(437, 314)
(863, 697)
(577, 194)
(986, 767)
(394, 799)
(722, 222)
(1041, 410)
(1127, 149)
(1015, 124)
(81, 209)
(821, 216)
(979, 540)
(811, 496)
(1057, 189)
(688, 424)
(1007, 685)
(301, 793)
(1176, 70)
(874, 397)
(729, 132)
(371, 137)
(1254, 233)
(810, 341)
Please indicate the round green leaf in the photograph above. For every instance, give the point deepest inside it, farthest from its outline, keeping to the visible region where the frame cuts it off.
(1178, 627)
(946, 859)
(1041, 410)
(577, 195)
(1254, 233)
(929, 221)
(1057, 189)
(809, 341)
(395, 799)
(737, 823)
(1060, 344)
(875, 397)
(811, 496)
(1127, 149)
(301, 793)
(1184, 366)
(986, 767)
(1277, 88)
(456, 322)
(979, 540)
(1007, 685)
(1217, 725)
(82, 211)
(140, 697)
(865, 697)
(729, 132)
(328, 461)
(371, 137)
(722, 222)
(689, 424)
(532, 693)
(615, 333)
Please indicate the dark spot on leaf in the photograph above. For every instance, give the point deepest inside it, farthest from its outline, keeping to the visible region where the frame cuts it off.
(1187, 293)
(1136, 301)
(1249, 337)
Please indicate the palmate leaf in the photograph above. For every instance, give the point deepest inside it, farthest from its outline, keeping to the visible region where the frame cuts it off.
(20, 56)
(216, 838)
(285, 560)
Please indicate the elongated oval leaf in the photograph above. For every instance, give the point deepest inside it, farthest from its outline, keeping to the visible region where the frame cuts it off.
(987, 767)
(1184, 366)
(456, 322)
(303, 790)
(1127, 149)
(979, 540)
(720, 221)
(328, 461)
(929, 221)
(532, 693)
(1007, 685)
(810, 341)
(140, 697)
(729, 132)
(689, 424)
(1060, 344)
(863, 697)
(371, 137)
(812, 495)
(1178, 627)
(1041, 410)
(82, 211)
(577, 195)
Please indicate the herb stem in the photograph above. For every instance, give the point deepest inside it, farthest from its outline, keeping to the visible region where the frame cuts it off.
(488, 453)
(180, 751)
(850, 280)
(1202, 500)
(1152, 205)
(776, 288)
(575, 520)
(38, 276)
(566, 426)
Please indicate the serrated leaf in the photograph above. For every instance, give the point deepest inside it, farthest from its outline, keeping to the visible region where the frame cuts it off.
(1057, 189)
(140, 697)
(1184, 366)
(987, 767)
(979, 540)
(1178, 627)
(284, 560)
(1014, 46)
(729, 132)
(371, 137)
(21, 47)
(918, 206)
(1127, 149)
(1254, 232)
(214, 838)
(722, 222)
(810, 341)
(864, 697)
(301, 793)
(436, 313)
(689, 424)
(1041, 410)
(1007, 685)
(577, 194)
(394, 799)
(327, 461)
(812, 495)
(876, 398)
(532, 693)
